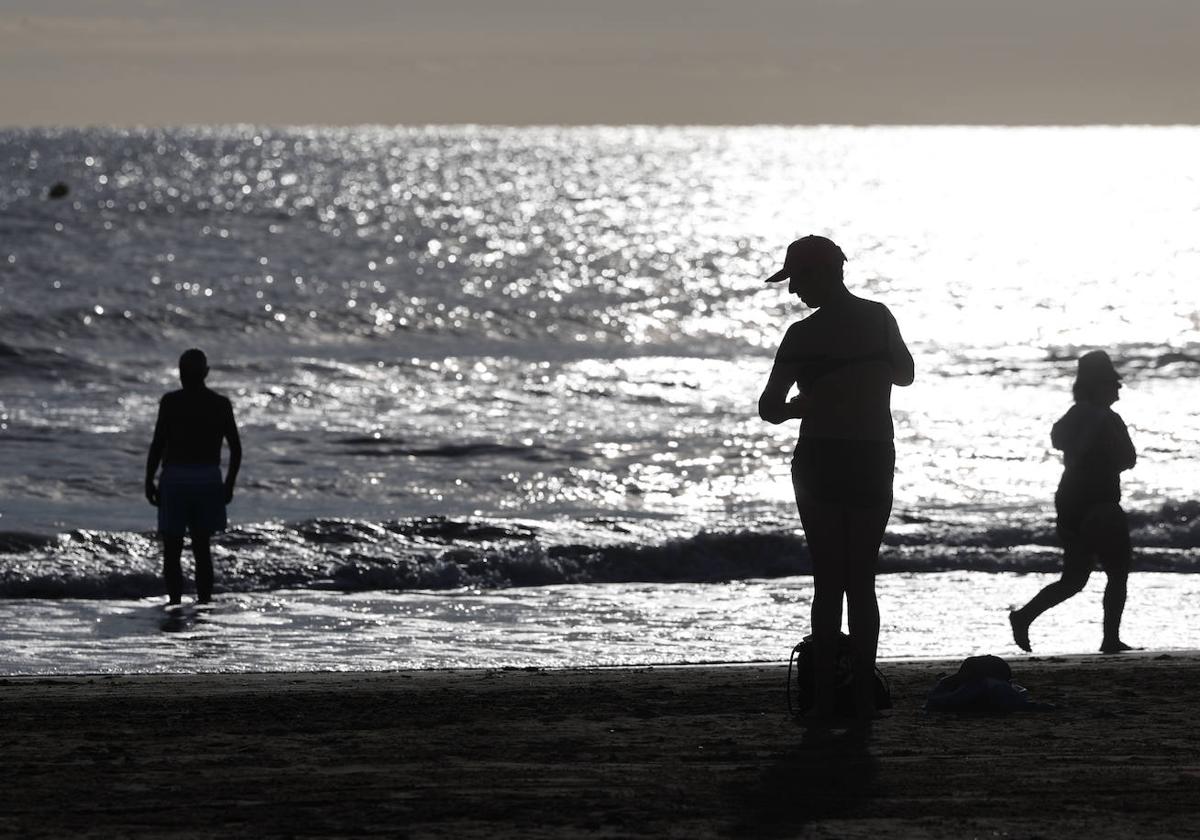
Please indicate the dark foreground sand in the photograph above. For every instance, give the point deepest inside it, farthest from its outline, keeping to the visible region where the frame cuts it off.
(656, 752)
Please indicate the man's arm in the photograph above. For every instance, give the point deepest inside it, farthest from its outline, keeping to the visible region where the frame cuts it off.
(235, 455)
(158, 445)
(1082, 432)
(1124, 454)
(903, 369)
(773, 404)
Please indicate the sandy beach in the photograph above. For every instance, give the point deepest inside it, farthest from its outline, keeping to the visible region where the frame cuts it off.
(693, 751)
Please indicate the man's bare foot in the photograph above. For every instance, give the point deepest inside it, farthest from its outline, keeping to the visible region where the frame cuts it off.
(1116, 647)
(865, 718)
(821, 712)
(1020, 631)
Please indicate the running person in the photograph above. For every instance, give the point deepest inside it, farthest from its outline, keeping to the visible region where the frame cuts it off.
(190, 496)
(844, 358)
(1091, 524)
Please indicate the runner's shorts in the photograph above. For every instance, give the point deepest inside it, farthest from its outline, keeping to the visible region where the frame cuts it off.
(191, 499)
(1095, 530)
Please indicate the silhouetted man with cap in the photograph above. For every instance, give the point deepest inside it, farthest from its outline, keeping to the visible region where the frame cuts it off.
(844, 358)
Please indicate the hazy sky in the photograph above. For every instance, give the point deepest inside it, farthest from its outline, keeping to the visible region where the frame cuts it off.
(74, 62)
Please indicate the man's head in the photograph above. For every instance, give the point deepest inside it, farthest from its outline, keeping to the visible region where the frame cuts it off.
(813, 269)
(1096, 380)
(193, 368)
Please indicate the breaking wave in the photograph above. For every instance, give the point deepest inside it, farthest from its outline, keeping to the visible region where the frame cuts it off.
(439, 553)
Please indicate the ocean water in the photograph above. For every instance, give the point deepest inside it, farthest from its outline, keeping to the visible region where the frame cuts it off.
(497, 386)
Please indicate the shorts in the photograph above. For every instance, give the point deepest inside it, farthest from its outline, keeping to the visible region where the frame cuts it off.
(191, 499)
(854, 473)
(1099, 530)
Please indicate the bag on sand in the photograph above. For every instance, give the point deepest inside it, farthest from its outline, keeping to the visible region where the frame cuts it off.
(800, 694)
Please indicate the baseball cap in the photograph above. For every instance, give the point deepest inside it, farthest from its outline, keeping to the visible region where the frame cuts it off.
(806, 252)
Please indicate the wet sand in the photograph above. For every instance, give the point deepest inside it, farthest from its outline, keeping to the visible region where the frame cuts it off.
(699, 751)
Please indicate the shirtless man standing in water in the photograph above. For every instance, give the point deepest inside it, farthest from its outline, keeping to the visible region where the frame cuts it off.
(191, 497)
(844, 358)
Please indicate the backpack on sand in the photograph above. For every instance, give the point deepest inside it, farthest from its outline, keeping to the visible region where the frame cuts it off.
(800, 694)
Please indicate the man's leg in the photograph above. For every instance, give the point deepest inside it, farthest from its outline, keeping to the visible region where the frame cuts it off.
(1114, 606)
(172, 573)
(1107, 530)
(824, 533)
(865, 527)
(202, 552)
(1077, 568)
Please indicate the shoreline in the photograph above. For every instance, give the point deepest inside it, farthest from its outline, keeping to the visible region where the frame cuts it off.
(946, 663)
(664, 750)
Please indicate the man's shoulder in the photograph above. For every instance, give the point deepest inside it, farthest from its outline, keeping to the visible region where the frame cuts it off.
(810, 321)
(802, 329)
(1080, 416)
(1077, 411)
(196, 398)
(221, 401)
(873, 307)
